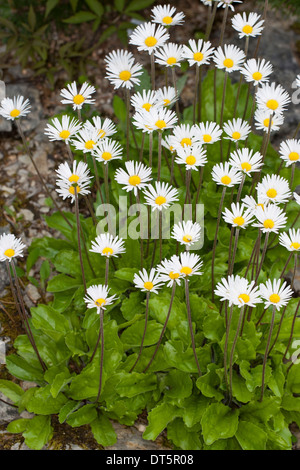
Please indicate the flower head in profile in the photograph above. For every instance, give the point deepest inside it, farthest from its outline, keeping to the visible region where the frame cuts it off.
(77, 98)
(107, 150)
(169, 55)
(14, 108)
(189, 264)
(246, 160)
(272, 98)
(63, 130)
(256, 71)
(228, 3)
(230, 58)
(208, 132)
(160, 196)
(10, 247)
(169, 272)
(262, 121)
(144, 100)
(273, 188)
(237, 129)
(192, 157)
(70, 179)
(107, 245)
(291, 239)
(156, 119)
(270, 218)
(136, 177)
(249, 26)
(187, 233)
(148, 37)
(289, 151)
(121, 69)
(97, 297)
(275, 294)
(105, 128)
(166, 15)
(166, 96)
(147, 282)
(238, 217)
(198, 52)
(225, 175)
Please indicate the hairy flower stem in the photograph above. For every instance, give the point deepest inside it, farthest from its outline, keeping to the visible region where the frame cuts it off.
(259, 38)
(200, 94)
(70, 153)
(144, 333)
(199, 188)
(127, 122)
(292, 331)
(279, 329)
(142, 147)
(101, 355)
(228, 325)
(240, 188)
(267, 353)
(296, 131)
(237, 233)
(237, 333)
(78, 237)
(150, 149)
(187, 298)
(215, 243)
(176, 92)
(152, 70)
(222, 112)
(141, 228)
(159, 156)
(160, 235)
(196, 93)
(286, 265)
(164, 328)
(97, 179)
(252, 255)
(211, 21)
(292, 175)
(262, 256)
(224, 25)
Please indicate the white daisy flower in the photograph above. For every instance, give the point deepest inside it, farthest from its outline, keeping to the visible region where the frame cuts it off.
(167, 144)
(10, 247)
(122, 71)
(183, 136)
(169, 272)
(107, 245)
(272, 98)
(244, 293)
(237, 129)
(246, 160)
(64, 130)
(270, 219)
(166, 15)
(238, 216)
(156, 119)
(68, 179)
(97, 297)
(273, 188)
(105, 129)
(107, 150)
(249, 27)
(144, 100)
(228, 3)
(290, 240)
(189, 263)
(290, 151)
(275, 294)
(251, 203)
(257, 71)
(14, 108)
(86, 139)
(148, 37)
(192, 157)
(147, 282)
(225, 287)
(187, 233)
(136, 176)
(198, 52)
(77, 98)
(160, 196)
(224, 175)
(208, 132)
(166, 96)
(169, 55)
(297, 198)
(230, 58)
(262, 121)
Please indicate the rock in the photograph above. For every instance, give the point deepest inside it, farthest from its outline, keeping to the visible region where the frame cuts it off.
(7, 412)
(27, 214)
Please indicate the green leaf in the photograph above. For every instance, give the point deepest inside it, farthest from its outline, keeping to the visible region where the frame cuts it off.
(158, 419)
(85, 415)
(17, 426)
(67, 409)
(219, 422)
(119, 5)
(132, 336)
(103, 431)
(96, 7)
(43, 403)
(45, 270)
(134, 383)
(38, 432)
(50, 5)
(81, 17)
(31, 18)
(22, 370)
(62, 283)
(180, 435)
(136, 5)
(133, 305)
(250, 436)
(177, 385)
(119, 108)
(209, 384)
(48, 320)
(193, 409)
(11, 390)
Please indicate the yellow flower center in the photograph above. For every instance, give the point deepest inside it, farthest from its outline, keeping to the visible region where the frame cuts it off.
(107, 251)
(72, 189)
(246, 166)
(150, 41)
(9, 252)
(78, 99)
(15, 113)
(272, 193)
(186, 141)
(125, 75)
(236, 135)
(101, 133)
(244, 297)
(166, 102)
(272, 104)
(274, 298)
(148, 285)
(198, 56)
(173, 275)
(267, 123)
(190, 160)
(160, 200)
(295, 245)
(171, 60)
(106, 155)
(228, 63)
(247, 29)
(226, 179)
(74, 178)
(147, 106)
(294, 156)
(134, 180)
(186, 270)
(161, 124)
(64, 134)
(269, 223)
(257, 76)
(168, 19)
(239, 221)
(89, 144)
(207, 138)
(187, 238)
(100, 302)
